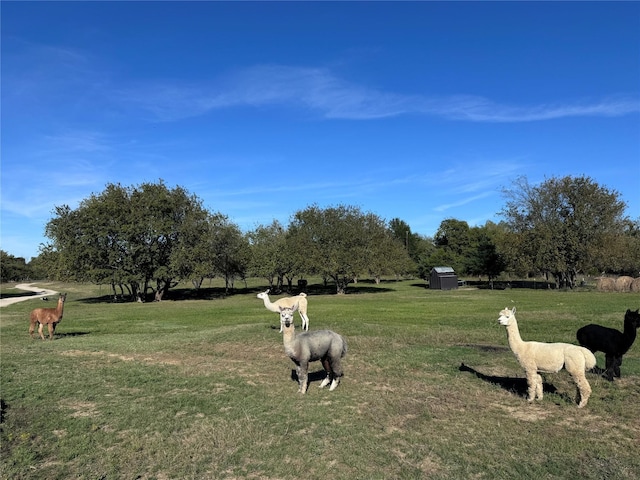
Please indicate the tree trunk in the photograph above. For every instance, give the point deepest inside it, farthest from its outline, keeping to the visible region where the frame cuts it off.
(289, 283)
(341, 285)
(163, 287)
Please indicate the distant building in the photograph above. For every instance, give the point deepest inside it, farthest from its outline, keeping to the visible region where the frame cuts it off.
(443, 278)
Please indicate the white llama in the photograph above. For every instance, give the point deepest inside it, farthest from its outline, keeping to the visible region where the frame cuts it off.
(324, 345)
(299, 303)
(537, 357)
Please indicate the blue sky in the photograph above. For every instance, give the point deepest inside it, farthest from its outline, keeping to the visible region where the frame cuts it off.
(420, 111)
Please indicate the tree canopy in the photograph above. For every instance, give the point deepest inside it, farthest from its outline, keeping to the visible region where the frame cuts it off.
(130, 237)
(148, 237)
(13, 269)
(563, 224)
(343, 243)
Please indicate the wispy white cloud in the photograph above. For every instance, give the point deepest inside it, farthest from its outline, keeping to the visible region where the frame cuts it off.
(320, 90)
(77, 141)
(41, 74)
(463, 201)
(55, 169)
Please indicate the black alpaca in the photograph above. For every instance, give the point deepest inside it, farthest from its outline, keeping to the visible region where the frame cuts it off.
(611, 341)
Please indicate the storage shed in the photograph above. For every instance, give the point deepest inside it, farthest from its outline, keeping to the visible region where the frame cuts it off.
(443, 278)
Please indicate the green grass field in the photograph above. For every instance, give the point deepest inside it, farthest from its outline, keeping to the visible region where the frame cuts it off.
(201, 389)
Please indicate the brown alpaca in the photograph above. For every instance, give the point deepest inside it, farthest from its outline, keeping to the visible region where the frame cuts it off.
(47, 316)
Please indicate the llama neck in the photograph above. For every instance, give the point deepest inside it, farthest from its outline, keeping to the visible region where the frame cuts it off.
(268, 305)
(288, 339)
(630, 331)
(513, 335)
(60, 307)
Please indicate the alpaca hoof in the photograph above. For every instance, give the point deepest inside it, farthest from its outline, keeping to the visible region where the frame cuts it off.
(324, 382)
(334, 385)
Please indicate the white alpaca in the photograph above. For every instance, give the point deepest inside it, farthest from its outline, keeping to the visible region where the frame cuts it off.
(324, 345)
(537, 357)
(299, 303)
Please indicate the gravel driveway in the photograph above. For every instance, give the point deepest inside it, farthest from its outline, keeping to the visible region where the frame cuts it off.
(40, 292)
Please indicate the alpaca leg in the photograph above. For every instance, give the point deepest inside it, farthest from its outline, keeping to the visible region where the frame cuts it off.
(584, 390)
(40, 331)
(532, 384)
(305, 320)
(327, 369)
(616, 366)
(51, 327)
(610, 362)
(32, 328)
(576, 369)
(303, 378)
(334, 384)
(539, 387)
(336, 372)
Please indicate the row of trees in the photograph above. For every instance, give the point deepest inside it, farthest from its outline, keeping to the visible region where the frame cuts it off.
(147, 238)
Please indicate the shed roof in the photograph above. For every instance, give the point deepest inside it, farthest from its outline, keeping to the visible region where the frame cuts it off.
(444, 270)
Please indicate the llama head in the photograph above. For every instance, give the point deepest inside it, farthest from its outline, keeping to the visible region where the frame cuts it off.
(263, 295)
(633, 318)
(507, 317)
(286, 317)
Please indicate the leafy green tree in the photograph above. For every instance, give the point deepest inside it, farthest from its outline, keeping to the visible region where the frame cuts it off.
(563, 223)
(334, 242)
(509, 245)
(197, 252)
(13, 269)
(424, 256)
(128, 237)
(620, 253)
(341, 243)
(453, 245)
(233, 254)
(439, 257)
(389, 257)
(166, 221)
(412, 242)
(273, 257)
(484, 258)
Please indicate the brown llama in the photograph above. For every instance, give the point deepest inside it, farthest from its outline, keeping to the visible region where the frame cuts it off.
(47, 316)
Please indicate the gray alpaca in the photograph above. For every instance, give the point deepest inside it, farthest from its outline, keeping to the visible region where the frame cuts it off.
(324, 345)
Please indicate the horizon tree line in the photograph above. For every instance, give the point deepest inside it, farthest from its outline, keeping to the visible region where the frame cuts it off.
(145, 239)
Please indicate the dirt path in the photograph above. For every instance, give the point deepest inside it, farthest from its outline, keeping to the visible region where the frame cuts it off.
(40, 292)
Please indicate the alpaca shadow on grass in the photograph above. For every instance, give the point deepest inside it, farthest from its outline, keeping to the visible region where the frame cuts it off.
(317, 376)
(69, 334)
(511, 384)
(3, 411)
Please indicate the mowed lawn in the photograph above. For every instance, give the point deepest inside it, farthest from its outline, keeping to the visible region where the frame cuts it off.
(201, 389)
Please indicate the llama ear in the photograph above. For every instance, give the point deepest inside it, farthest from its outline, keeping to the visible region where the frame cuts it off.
(513, 310)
